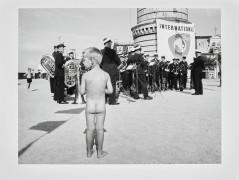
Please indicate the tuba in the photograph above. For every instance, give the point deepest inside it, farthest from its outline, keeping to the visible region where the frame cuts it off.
(70, 73)
(48, 63)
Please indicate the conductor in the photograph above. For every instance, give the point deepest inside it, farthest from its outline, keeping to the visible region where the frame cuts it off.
(109, 64)
(198, 66)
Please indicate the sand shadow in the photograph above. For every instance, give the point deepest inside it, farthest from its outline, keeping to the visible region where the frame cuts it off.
(72, 111)
(47, 126)
(34, 89)
(129, 98)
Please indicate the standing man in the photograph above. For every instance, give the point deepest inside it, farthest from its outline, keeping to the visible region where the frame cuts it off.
(59, 75)
(156, 70)
(141, 63)
(184, 71)
(173, 67)
(109, 64)
(52, 79)
(163, 73)
(198, 66)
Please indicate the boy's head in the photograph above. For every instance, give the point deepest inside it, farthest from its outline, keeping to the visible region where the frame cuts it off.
(29, 69)
(91, 56)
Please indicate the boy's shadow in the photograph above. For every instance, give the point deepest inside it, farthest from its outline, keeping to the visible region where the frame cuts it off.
(47, 126)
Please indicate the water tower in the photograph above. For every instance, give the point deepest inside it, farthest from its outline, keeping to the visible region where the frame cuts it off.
(145, 32)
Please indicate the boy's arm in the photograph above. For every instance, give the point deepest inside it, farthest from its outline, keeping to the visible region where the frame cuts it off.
(82, 86)
(109, 87)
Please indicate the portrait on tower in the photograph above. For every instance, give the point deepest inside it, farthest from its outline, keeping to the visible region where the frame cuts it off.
(119, 86)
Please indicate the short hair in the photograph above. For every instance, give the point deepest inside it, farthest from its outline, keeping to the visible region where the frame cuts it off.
(94, 54)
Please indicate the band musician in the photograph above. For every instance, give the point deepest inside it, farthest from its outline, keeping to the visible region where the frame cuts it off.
(138, 59)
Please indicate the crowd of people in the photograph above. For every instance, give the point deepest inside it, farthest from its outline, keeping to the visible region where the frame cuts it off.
(133, 72)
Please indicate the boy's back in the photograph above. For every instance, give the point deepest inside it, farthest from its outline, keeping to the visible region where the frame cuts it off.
(95, 80)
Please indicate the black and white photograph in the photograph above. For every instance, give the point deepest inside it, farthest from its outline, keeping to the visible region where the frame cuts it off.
(119, 87)
(141, 87)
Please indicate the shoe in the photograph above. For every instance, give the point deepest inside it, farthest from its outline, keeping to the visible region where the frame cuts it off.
(195, 94)
(200, 93)
(148, 98)
(137, 97)
(114, 103)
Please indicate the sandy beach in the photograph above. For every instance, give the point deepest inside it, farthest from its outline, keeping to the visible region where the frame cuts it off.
(173, 128)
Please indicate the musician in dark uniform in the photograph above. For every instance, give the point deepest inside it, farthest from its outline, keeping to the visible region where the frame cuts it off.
(156, 70)
(109, 64)
(129, 72)
(146, 58)
(163, 66)
(52, 84)
(141, 66)
(70, 56)
(191, 76)
(173, 68)
(184, 70)
(59, 75)
(198, 66)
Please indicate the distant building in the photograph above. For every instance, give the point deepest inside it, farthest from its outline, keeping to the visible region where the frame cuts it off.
(208, 44)
(122, 47)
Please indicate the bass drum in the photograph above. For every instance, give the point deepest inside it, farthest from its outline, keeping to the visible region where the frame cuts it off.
(48, 63)
(70, 73)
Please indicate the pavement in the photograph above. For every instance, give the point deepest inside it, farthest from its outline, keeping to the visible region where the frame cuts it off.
(173, 128)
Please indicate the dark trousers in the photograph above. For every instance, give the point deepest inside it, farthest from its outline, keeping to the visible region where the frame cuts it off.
(185, 80)
(180, 80)
(197, 80)
(170, 81)
(164, 80)
(112, 97)
(59, 88)
(143, 84)
(174, 81)
(157, 79)
(52, 84)
(126, 79)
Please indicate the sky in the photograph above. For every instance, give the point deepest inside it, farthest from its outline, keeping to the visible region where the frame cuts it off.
(40, 29)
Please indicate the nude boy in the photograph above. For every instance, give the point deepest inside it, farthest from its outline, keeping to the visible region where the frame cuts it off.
(95, 83)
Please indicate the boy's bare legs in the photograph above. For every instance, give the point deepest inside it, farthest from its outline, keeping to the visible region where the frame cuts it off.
(90, 121)
(100, 119)
(29, 85)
